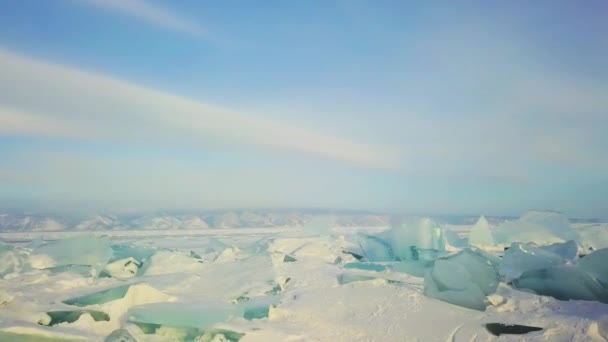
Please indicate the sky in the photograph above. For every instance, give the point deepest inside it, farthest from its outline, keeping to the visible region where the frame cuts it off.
(396, 106)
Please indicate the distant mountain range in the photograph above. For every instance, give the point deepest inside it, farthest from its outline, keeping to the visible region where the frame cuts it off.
(164, 221)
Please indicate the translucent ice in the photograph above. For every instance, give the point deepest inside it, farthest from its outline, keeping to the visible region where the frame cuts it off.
(366, 266)
(567, 250)
(375, 249)
(99, 297)
(563, 283)
(480, 234)
(452, 239)
(522, 257)
(596, 264)
(419, 233)
(199, 314)
(539, 227)
(463, 279)
(10, 261)
(80, 250)
(120, 335)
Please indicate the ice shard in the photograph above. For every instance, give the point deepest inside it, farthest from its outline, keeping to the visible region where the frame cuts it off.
(200, 314)
(120, 335)
(463, 279)
(522, 257)
(452, 239)
(540, 227)
(80, 250)
(375, 249)
(596, 264)
(480, 234)
(563, 283)
(10, 261)
(567, 250)
(99, 297)
(418, 233)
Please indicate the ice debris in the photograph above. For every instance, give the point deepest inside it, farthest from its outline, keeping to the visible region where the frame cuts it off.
(120, 335)
(480, 234)
(10, 260)
(99, 297)
(596, 264)
(463, 279)
(540, 227)
(563, 283)
(79, 250)
(420, 233)
(567, 250)
(522, 257)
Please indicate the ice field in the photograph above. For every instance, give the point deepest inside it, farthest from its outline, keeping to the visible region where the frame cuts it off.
(540, 276)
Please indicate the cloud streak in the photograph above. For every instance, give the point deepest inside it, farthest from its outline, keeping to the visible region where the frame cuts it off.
(44, 99)
(148, 12)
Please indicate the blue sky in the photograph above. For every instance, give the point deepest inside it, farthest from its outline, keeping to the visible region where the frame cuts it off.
(416, 107)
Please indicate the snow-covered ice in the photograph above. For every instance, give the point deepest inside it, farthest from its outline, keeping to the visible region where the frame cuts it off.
(411, 282)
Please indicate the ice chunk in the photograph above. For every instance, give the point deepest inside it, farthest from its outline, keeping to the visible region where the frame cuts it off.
(452, 239)
(480, 234)
(522, 257)
(10, 261)
(201, 314)
(80, 250)
(567, 250)
(346, 278)
(124, 251)
(289, 258)
(366, 266)
(539, 227)
(375, 249)
(120, 335)
(563, 283)
(123, 268)
(596, 264)
(99, 297)
(464, 279)
(419, 233)
(595, 236)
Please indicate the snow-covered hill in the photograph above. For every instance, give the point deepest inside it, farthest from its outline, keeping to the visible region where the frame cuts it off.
(11, 222)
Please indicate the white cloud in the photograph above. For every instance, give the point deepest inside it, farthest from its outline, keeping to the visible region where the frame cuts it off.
(40, 98)
(146, 11)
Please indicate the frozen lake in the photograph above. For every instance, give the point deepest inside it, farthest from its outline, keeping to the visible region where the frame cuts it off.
(266, 284)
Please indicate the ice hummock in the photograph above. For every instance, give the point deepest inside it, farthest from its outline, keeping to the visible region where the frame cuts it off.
(563, 283)
(421, 233)
(463, 279)
(540, 227)
(480, 234)
(10, 260)
(87, 250)
(596, 264)
(522, 257)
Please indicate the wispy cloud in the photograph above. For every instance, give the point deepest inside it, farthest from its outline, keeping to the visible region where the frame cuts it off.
(40, 98)
(146, 11)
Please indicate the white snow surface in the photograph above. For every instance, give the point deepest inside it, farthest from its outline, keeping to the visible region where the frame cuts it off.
(311, 304)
